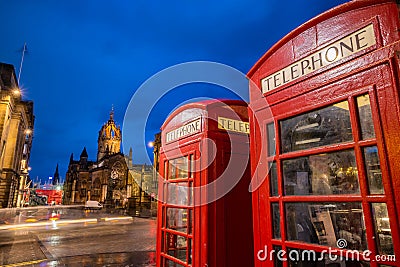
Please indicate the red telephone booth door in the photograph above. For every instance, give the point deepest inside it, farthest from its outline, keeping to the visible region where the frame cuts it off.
(199, 226)
(330, 196)
(176, 214)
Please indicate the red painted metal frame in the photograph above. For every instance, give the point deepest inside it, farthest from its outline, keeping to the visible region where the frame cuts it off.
(374, 71)
(222, 234)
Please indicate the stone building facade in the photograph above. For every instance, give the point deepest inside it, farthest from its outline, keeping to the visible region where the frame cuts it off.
(16, 129)
(112, 179)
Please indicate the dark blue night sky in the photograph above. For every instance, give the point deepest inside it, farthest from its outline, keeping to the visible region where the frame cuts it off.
(85, 56)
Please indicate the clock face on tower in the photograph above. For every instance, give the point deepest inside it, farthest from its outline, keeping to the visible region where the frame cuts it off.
(116, 171)
(114, 174)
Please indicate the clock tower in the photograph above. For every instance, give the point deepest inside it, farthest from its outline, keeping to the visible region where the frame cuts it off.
(109, 141)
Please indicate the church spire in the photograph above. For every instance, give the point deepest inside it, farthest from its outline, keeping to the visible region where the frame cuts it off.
(112, 113)
(109, 141)
(56, 177)
(84, 153)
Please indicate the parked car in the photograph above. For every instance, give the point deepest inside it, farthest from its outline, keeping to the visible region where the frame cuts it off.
(95, 205)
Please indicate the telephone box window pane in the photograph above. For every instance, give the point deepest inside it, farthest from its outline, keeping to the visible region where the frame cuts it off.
(373, 169)
(191, 163)
(169, 263)
(276, 221)
(177, 246)
(273, 177)
(326, 223)
(271, 139)
(178, 168)
(277, 262)
(182, 167)
(190, 250)
(191, 193)
(177, 219)
(165, 192)
(181, 246)
(177, 194)
(171, 170)
(162, 241)
(364, 111)
(190, 227)
(383, 233)
(326, 126)
(321, 174)
(163, 216)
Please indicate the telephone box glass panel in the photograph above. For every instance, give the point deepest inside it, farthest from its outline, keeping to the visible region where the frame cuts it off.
(382, 228)
(326, 223)
(178, 194)
(276, 221)
(271, 139)
(273, 178)
(177, 219)
(373, 169)
(169, 263)
(178, 168)
(176, 246)
(325, 126)
(321, 174)
(365, 115)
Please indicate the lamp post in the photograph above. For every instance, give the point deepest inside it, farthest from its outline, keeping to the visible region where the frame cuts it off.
(141, 190)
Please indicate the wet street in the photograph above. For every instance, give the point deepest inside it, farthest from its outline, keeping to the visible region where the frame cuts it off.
(75, 238)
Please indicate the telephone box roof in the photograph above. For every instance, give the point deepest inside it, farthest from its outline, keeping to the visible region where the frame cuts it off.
(205, 104)
(339, 10)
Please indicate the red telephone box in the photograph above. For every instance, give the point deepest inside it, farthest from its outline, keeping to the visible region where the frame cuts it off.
(204, 212)
(328, 159)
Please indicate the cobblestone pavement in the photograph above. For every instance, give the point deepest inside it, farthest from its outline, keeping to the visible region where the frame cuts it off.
(106, 243)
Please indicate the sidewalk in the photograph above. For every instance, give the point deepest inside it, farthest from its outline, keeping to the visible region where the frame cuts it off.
(24, 249)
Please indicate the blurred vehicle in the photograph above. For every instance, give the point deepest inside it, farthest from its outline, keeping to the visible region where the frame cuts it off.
(95, 205)
(33, 215)
(55, 215)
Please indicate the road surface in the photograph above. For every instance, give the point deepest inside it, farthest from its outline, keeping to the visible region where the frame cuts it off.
(95, 239)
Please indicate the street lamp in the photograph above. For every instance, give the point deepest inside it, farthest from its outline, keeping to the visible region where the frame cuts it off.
(141, 190)
(16, 92)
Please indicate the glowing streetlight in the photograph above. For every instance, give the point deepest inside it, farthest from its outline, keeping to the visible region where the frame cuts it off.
(150, 144)
(16, 92)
